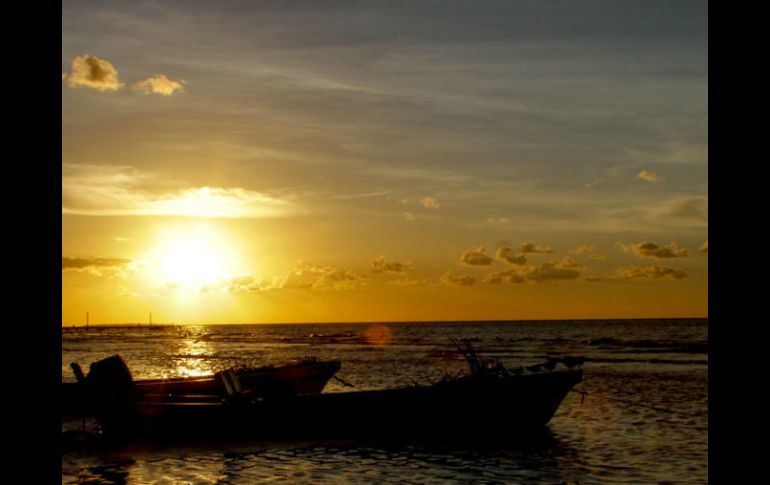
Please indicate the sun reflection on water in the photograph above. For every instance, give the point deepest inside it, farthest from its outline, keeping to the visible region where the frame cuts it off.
(192, 358)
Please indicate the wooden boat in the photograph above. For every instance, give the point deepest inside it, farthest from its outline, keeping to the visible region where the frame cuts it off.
(111, 376)
(484, 402)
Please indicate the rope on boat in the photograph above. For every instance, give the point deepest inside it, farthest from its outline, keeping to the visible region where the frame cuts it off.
(583, 394)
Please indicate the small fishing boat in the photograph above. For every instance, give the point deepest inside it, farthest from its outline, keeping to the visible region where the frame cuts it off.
(514, 406)
(489, 400)
(111, 376)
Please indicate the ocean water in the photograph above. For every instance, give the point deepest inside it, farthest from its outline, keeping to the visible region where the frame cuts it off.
(643, 421)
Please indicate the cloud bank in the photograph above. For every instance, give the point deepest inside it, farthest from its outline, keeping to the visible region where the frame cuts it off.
(98, 190)
(107, 267)
(649, 272)
(380, 265)
(652, 250)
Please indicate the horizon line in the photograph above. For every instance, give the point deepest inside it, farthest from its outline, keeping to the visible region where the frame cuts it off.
(374, 322)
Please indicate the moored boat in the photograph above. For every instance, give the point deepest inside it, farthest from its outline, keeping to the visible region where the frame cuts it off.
(489, 400)
(514, 405)
(111, 376)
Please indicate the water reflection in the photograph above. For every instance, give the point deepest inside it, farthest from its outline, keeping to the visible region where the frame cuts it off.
(192, 356)
(542, 458)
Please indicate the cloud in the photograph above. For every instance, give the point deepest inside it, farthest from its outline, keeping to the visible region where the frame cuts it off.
(99, 190)
(476, 256)
(582, 249)
(410, 282)
(568, 262)
(648, 176)
(586, 249)
(91, 72)
(314, 276)
(687, 209)
(552, 272)
(504, 278)
(245, 284)
(652, 272)
(498, 221)
(451, 279)
(652, 250)
(532, 248)
(159, 84)
(704, 248)
(123, 291)
(409, 217)
(379, 265)
(107, 267)
(430, 203)
(506, 254)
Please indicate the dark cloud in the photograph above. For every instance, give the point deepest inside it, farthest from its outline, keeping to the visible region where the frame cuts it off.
(652, 250)
(451, 279)
(380, 265)
(314, 276)
(504, 278)
(532, 248)
(476, 256)
(85, 263)
(505, 253)
(109, 267)
(552, 272)
(651, 272)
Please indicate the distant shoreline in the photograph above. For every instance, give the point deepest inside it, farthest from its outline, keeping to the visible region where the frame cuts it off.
(435, 322)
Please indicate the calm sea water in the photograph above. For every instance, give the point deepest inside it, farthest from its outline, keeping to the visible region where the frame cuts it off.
(644, 420)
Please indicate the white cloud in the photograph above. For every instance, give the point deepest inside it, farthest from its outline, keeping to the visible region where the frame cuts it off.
(123, 191)
(159, 84)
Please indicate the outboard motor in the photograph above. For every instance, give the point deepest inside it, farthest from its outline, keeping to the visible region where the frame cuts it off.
(110, 384)
(110, 377)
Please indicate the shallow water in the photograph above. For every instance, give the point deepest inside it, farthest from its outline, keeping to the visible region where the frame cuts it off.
(643, 421)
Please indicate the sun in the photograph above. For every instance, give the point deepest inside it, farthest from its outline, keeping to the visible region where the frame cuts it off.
(194, 259)
(192, 262)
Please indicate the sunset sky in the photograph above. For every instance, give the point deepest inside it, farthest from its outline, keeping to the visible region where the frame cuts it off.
(248, 162)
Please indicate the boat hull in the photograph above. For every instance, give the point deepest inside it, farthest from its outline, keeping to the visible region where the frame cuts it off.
(513, 406)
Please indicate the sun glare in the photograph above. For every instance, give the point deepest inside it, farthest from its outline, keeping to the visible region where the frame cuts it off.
(194, 260)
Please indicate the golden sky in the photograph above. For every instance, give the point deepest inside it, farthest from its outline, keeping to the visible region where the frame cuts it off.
(248, 162)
